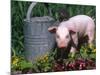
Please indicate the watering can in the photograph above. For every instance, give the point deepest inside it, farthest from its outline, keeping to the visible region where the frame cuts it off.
(38, 41)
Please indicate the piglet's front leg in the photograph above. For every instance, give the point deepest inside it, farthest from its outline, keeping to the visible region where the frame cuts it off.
(73, 50)
(74, 43)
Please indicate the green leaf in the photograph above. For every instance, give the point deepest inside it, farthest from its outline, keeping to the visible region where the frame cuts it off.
(92, 56)
(23, 64)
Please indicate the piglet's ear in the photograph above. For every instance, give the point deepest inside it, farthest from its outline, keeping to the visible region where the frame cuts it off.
(52, 29)
(72, 30)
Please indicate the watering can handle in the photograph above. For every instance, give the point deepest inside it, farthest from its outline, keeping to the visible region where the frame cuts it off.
(30, 10)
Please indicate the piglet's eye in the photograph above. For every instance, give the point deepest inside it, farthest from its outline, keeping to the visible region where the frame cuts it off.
(67, 36)
(57, 36)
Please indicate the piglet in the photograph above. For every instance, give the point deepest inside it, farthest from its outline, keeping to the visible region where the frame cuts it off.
(72, 30)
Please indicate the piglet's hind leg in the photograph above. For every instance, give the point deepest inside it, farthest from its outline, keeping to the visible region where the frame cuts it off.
(90, 37)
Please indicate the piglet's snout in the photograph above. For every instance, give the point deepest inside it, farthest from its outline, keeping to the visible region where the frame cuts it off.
(62, 45)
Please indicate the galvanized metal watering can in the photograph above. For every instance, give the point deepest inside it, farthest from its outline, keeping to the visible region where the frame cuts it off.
(38, 41)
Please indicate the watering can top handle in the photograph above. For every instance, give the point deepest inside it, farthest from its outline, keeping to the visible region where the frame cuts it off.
(30, 10)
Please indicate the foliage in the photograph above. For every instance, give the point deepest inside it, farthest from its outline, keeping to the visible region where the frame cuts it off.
(47, 63)
(86, 59)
